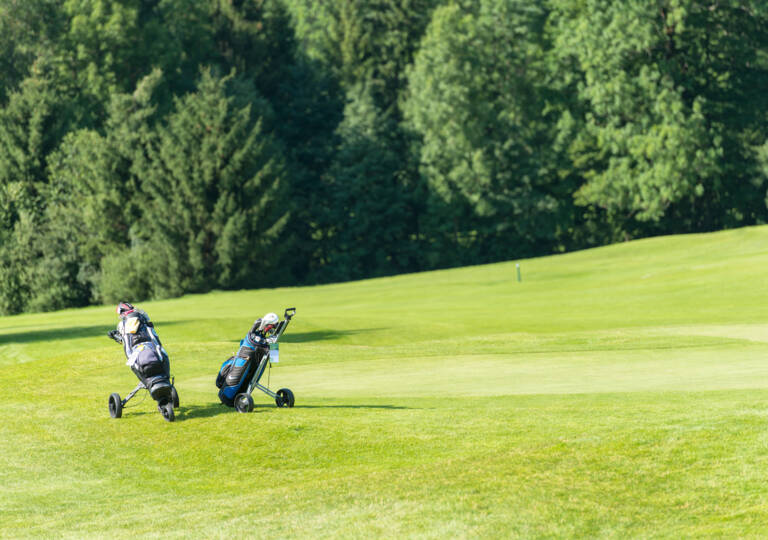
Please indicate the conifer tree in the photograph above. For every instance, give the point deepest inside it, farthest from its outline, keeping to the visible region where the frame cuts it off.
(31, 125)
(213, 178)
(365, 217)
(95, 201)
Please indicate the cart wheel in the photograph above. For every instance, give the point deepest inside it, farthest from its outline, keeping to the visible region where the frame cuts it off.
(284, 398)
(115, 405)
(174, 397)
(166, 409)
(243, 403)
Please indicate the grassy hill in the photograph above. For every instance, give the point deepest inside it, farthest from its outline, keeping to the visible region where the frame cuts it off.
(614, 392)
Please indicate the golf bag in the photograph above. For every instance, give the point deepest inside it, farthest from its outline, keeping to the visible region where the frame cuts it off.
(240, 374)
(153, 369)
(148, 361)
(238, 371)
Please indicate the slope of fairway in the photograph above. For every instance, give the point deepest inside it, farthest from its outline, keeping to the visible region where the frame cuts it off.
(614, 392)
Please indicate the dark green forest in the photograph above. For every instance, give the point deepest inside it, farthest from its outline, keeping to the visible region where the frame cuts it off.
(152, 148)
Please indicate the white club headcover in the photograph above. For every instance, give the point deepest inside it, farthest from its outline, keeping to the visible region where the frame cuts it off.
(269, 318)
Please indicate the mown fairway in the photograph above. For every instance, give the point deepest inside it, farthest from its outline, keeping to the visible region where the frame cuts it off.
(618, 392)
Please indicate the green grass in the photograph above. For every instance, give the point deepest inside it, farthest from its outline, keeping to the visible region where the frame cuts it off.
(616, 392)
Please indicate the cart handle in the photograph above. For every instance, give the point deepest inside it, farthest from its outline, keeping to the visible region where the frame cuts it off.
(289, 313)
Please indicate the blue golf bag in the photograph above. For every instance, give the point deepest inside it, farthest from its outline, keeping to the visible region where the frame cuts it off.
(240, 374)
(239, 371)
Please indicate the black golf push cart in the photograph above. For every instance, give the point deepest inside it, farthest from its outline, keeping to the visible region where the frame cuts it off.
(240, 374)
(153, 372)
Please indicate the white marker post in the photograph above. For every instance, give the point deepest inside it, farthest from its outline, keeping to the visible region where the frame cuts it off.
(517, 266)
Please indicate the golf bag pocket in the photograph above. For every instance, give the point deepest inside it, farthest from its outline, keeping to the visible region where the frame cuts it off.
(240, 366)
(238, 371)
(225, 367)
(233, 378)
(152, 370)
(147, 363)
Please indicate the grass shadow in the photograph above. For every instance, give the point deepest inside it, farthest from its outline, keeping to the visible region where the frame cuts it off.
(214, 409)
(62, 334)
(323, 335)
(391, 407)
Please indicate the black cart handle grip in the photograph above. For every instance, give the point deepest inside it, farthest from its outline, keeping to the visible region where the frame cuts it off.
(289, 313)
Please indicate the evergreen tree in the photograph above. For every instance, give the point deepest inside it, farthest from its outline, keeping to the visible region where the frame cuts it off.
(309, 116)
(213, 178)
(31, 125)
(255, 38)
(18, 252)
(28, 29)
(366, 45)
(95, 198)
(365, 222)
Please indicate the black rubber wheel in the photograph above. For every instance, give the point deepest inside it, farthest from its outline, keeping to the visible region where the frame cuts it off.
(284, 398)
(166, 410)
(174, 397)
(243, 403)
(115, 405)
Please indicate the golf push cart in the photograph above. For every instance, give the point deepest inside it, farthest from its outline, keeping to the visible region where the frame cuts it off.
(240, 374)
(165, 403)
(153, 371)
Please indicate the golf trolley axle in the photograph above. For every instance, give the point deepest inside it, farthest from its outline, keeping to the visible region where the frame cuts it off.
(141, 386)
(166, 408)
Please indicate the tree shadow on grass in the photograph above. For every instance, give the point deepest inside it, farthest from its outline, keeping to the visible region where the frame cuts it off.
(64, 334)
(391, 407)
(272, 405)
(55, 334)
(80, 332)
(323, 335)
